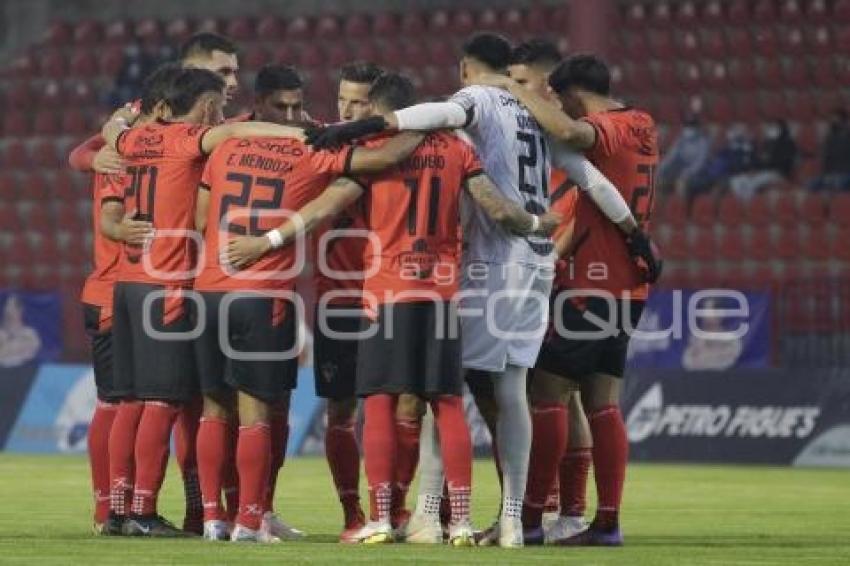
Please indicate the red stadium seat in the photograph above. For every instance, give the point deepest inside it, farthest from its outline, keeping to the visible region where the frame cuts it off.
(690, 78)
(81, 94)
(46, 123)
(800, 105)
(536, 20)
(270, 28)
(16, 156)
(818, 244)
(820, 40)
(817, 11)
(15, 124)
(462, 22)
(765, 42)
(823, 72)
(414, 54)
(661, 43)
(795, 74)
(739, 12)
(512, 22)
(772, 105)
(740, 43)
(365, 50)
(636, 44)
(841, 10)
(791, 11)
(703, 245)
(703, 211)
(53, 64)
(440, 53)
(298, 28)
(240, 28)
(730, 211)
(664, 76)
(635, 16)
(111, 60)
(788, 244)
(742, 74)
(117, 32)
(311, 57)
(83, 63)
(760, 245)
(674, 211)
(178, 30)
(688, 45)
(285, 53)
(839, 210)
(19, 95)
(712, 13)
(149, 30)
(338, 54)
(87, 32)
(686, 13)
(732, 245)
(327, 28)
(488, 19)
(45, 155)
(50, 95)
(255, 57)
(812, 210)
(58, 34)
(758, 212)
(385, 24)
(713, 44)
(720, 109)
(662, 15)
(412, 24)
(765, 11)
(793, 41)
(675, 246)
(356, 26)
(785, 210)
(207, 25)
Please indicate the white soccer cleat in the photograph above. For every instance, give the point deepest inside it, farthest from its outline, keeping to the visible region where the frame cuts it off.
(274, 526)
(549, 519)
(216, 530)
(461, 534)
(564, 528)
(510, 532)
(242, 533)
(489, 536)
(424, 529)
(376, 532)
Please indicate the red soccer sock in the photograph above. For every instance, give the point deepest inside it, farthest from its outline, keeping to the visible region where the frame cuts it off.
(280, 437)
(344, 461)
(152, 442)
(380, 448)
(231, 477)
(456, 448)
(122, 459)
(213, 455)
(185, 452)
(610, 454)
(253, 461)
(407, 436)
(98, 448)
(575, 466)
(549, 425)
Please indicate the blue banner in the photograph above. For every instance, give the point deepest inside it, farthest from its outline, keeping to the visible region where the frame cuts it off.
(713, 329)
(30, 328)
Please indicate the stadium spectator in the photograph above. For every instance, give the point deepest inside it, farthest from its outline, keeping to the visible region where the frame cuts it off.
(835, 158)
(138, 63)
(735, 157)
(685, 159)
(775, 161)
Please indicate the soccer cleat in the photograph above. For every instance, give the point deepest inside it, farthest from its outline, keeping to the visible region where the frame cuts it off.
(423, 529)
(194, 525)
(594, 536)
(154, 526)
(353, 526)
(564, 528)
(216, 530)
(97, 528)
(114, 525)
(242, 533)
(489, 536)
(273, 525)
(376, 532)
(510, 532)
(461, 534)
(534, 536)
(399, 522)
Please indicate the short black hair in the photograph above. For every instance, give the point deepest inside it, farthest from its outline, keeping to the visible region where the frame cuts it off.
(205, 43)
(189, 86)
(159, 85)
(361, 72)
(587, 72)
(273, 77)
(393, 90)
(536, 51)
(492, 49)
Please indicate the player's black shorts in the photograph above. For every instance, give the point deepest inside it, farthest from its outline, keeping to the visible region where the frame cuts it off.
(148, 366)
(255, 325)
(335, 359)
(100, 336)
(573, 357)
(415, 348)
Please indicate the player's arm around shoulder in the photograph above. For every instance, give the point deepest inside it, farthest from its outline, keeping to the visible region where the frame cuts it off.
(117, 125)
(218, 134)
(511, 216)
(394, 151)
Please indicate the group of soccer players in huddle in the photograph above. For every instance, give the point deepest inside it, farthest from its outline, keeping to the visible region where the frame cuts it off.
(462, 241)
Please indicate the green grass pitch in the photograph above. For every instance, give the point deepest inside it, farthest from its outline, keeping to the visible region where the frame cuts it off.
(673, 515)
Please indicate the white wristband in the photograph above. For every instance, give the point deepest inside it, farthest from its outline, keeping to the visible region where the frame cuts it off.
(535, 223)
(275, 238)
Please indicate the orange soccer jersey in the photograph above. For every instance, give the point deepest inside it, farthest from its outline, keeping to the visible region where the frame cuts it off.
(165, 165)
(97, 290)
(413, 211)
(626, 151)
(254, 184)
(562, 200)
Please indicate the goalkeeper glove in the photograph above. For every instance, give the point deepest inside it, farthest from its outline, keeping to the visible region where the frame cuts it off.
(337, 135)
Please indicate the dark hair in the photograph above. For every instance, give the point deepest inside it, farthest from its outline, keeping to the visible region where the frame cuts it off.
(204, 44)
(189, 86)
(492, 49)
(536, 51)
(393, 90)
(159, 85)
(586, 72)
(272, 78)
(362, 72)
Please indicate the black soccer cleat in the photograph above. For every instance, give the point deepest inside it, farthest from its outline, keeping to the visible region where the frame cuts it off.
(114, 525)
(154, 526)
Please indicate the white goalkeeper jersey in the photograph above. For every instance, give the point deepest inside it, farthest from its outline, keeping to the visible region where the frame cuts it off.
(515, 156)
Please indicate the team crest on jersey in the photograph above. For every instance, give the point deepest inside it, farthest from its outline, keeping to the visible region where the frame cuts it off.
(420, 261)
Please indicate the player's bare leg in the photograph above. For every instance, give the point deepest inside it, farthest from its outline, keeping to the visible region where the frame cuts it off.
(279, 422)
(214, 455)
(408, 424)
(253, 461)
(344, 460)
(601, 397)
